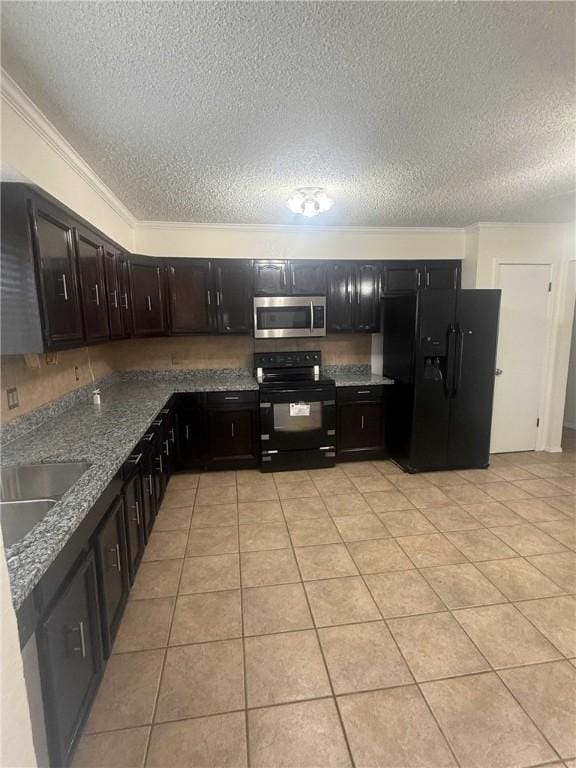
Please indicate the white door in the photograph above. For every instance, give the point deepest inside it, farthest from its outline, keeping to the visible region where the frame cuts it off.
(521, 352)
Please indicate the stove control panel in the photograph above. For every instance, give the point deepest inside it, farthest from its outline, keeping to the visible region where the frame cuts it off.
(287, 359)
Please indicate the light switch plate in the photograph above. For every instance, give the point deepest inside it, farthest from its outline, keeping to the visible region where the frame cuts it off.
(12, 396)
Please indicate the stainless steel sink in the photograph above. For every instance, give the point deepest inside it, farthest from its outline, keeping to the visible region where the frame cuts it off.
(29, 491)
(39, 481)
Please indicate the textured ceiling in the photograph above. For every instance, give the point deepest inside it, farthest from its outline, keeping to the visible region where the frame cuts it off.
(410, 113)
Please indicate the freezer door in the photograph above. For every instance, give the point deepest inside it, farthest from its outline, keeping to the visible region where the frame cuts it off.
(431, 413)
(473, 377)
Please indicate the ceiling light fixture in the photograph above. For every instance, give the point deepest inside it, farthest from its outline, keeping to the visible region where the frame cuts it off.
(310, 201)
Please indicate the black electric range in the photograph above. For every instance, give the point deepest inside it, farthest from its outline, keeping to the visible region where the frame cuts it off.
(297, 411)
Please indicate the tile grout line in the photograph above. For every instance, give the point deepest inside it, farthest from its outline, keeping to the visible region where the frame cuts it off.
(318, 641)
(243, 641)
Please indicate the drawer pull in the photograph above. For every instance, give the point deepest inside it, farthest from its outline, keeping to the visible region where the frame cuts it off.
(134, 458)
(82, 648)
(232, 397)
(363, 392)
(116, 552)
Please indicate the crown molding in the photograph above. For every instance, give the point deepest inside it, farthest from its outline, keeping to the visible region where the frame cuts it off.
(18, 100)
(518, 224)
(295, 228)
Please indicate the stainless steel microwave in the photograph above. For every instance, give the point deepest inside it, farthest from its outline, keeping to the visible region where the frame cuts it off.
(289, 317)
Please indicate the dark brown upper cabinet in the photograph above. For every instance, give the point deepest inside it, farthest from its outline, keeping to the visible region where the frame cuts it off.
(147, 297)
(92, 285)
(112, 277)
(403, 277)
(54, 247)
(339, 297)
(192, 299)
(271, 278)
(233, 286)
(441, 275)
(367, 300)
(308, 278)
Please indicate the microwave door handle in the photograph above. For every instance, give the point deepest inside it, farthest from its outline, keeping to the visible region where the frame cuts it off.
(311, 317)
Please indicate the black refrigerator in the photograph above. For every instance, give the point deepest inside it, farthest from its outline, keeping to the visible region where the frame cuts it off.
(439, 346)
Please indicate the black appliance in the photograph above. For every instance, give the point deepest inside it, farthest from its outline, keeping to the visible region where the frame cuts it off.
(297, 411)
(440, 348)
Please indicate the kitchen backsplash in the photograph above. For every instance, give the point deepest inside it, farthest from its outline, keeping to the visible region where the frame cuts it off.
(40, 379)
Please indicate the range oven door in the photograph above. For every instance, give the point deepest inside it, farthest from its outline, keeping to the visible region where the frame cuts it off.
(289, 316)
(302, 418)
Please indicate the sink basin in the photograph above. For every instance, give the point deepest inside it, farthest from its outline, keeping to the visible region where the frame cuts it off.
(29, 491)
(39, 481)
(19, 517)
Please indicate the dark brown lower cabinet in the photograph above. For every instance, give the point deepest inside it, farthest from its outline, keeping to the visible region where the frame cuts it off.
(361, 432)
(232, 430)
(113, 579)
(191, 432)
(71, 661)
(134, 523)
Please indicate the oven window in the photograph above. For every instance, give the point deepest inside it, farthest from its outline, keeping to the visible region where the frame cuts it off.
(277, 318)
(299, 416)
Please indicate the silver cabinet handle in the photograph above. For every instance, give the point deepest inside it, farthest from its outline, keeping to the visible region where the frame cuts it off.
(125, 302)
(209, 298)
(218, 295)
(427, 279)
(136, 509)
(187, 431)
(363, 392)
(149, 303)
(115, 294)
(160, 465)
(498, 372)
(64, 287)
(232, 425)
(358, 289)
(134, 458)
(82, 648)
(418, 278)
(172, 438)
(232, 397)
(311, 317)
(166, 447)
(362, 422)
(293, 278)
(149, 478)
(96, 295)
(117, 564)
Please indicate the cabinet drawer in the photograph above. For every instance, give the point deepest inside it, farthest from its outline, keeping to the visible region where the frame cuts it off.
(247, 397)
(371, 393)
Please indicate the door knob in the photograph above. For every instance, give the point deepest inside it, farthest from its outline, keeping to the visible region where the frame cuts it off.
(498, 372)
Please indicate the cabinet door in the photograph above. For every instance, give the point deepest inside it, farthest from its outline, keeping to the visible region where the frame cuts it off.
(149, 505)
(134, 523)
(70, 660)
(111, 269)
(92, 286)
(271, 278)
(112, 565)
(191, 431)
(231, 436)
(191, 296)
(233, 296)
(125, 298)
(405, 277)
(339, 298)
(308, 278)
(147, 299)
(367, 306)
(55, 256)
(442, 275)
(360, 428)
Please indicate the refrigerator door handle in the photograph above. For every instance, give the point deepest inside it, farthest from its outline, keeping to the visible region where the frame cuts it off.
(451, 353)
(458, 361)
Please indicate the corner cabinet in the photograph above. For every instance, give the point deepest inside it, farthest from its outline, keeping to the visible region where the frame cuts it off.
(71, 660)
(147, 297)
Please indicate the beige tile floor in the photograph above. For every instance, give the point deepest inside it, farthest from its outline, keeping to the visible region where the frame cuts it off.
(352, 616)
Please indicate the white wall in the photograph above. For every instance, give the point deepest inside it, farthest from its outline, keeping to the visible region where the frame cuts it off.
(16, 745)
(277, 242)
(488, 246)
(570, 406)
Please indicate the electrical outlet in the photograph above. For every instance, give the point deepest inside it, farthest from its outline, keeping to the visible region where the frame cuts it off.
(76, 373)
(12, 396)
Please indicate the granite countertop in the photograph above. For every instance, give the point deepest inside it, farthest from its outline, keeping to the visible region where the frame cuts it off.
(103, 435)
